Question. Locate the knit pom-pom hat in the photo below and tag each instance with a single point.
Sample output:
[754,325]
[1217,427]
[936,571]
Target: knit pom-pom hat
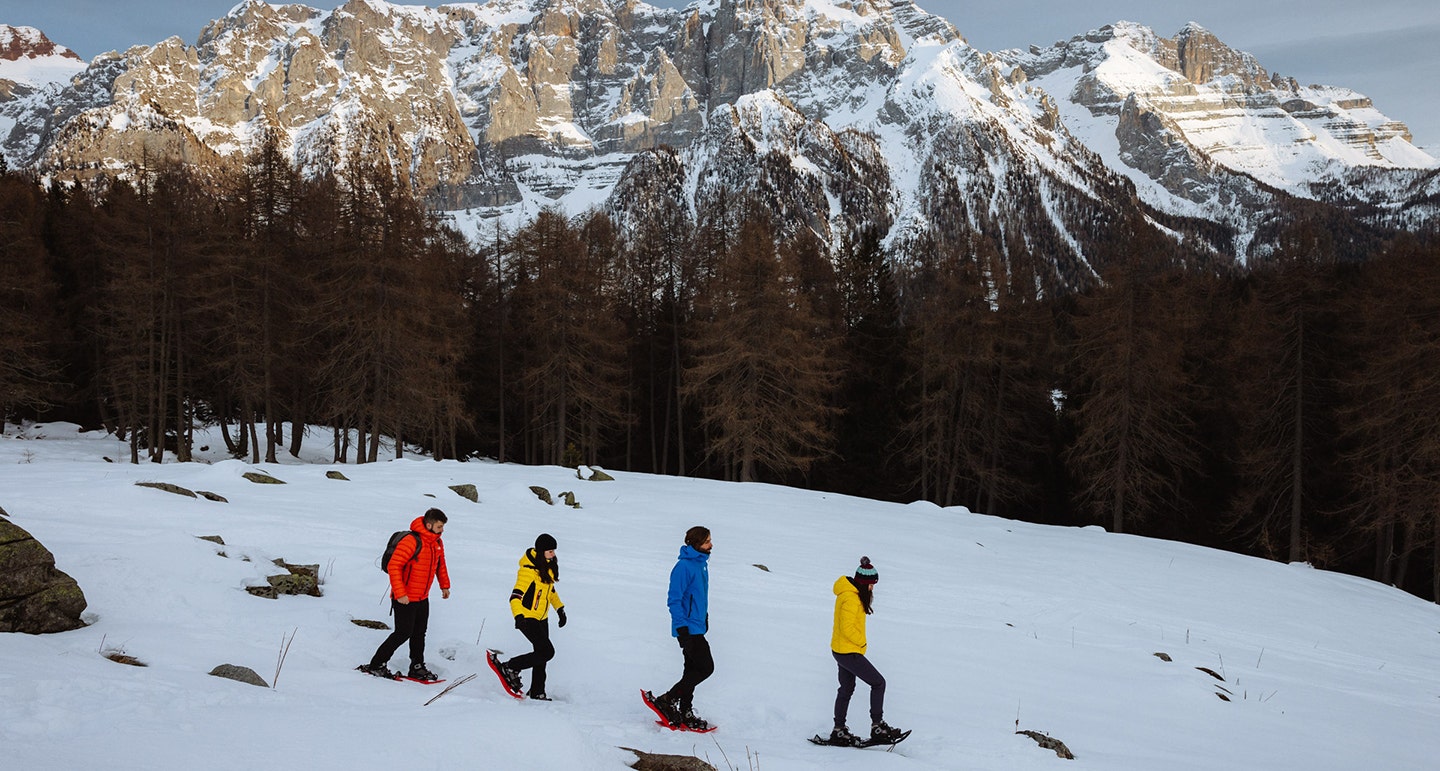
[866,573]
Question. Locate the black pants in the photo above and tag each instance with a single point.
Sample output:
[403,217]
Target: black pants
[411,620]
[699,665]
[537,631]
[853,665]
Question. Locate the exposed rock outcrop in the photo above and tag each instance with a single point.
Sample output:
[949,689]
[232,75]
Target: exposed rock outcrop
[35,597]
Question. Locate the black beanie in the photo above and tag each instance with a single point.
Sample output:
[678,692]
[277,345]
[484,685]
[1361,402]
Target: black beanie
[543,543]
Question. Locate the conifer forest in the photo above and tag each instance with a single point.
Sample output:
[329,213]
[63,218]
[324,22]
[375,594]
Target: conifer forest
[1288,408]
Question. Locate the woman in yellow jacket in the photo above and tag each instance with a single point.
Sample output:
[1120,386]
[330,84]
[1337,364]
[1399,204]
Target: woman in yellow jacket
[531,601]
[853,597]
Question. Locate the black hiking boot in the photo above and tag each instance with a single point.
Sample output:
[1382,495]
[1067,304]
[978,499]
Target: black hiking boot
[693,721]
[420,672]
[378,670]
[841,737]
[668,705]
[540,697]
[884,733]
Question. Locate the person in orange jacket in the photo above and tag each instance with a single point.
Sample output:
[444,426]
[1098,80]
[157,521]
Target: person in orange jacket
[853,598]
[530,602]
[415,564]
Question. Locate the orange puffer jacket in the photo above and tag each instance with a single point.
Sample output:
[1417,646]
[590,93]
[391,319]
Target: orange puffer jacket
[412,578]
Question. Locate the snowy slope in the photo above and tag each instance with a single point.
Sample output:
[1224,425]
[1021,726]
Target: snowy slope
[980,622]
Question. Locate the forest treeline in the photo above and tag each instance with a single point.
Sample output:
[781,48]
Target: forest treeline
[1287,411]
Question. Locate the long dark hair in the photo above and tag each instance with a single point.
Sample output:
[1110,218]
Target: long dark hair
[867,594]
[549,570]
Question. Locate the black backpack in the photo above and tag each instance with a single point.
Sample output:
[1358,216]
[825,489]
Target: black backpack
[395,538]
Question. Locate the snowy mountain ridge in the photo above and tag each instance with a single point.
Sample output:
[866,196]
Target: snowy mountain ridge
[507,107]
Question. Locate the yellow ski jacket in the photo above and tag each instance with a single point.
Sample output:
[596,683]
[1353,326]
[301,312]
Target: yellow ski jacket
[532,598]
[849,633]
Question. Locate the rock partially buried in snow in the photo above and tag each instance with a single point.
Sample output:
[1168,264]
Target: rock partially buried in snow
[646,761]
[468,492]
[261,479]
[239,674]
[1049,743]
[542,494]
[35,597]
[336,475]
[593,474]
[167,487]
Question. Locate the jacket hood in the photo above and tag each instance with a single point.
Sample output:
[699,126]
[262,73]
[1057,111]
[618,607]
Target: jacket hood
[688,552]
[419,526]
[532,560]
[843,585]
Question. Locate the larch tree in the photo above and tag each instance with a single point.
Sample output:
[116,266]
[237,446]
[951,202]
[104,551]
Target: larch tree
[1127,391]
[762,374]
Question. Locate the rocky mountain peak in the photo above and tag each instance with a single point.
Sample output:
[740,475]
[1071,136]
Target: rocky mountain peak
[18,43]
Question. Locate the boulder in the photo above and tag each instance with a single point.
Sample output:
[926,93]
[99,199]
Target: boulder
[209,496]
[542,494]
[467,492]
[336,475]
[35,597]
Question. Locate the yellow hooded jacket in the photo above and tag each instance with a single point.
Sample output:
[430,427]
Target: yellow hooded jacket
[849,633]
[532,598]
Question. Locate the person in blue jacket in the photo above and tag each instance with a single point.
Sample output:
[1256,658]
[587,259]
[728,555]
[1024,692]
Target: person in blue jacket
[689,601]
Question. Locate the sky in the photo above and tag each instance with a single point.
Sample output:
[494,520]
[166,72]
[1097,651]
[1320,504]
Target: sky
[982,627]
[1384,49]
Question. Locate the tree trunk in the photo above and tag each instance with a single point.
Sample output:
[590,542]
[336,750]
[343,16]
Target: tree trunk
[1297,456]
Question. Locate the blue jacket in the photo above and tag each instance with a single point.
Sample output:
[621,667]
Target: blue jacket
[689,597]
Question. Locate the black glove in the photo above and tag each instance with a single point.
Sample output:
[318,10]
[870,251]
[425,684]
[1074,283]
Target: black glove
[683,633]
[518,620]
[561,613]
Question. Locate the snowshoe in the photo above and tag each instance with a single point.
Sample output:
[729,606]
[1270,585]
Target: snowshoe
[670,715]
[509,679]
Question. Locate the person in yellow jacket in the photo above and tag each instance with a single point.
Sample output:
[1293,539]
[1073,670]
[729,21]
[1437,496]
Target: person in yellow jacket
[853,602]
[531,601]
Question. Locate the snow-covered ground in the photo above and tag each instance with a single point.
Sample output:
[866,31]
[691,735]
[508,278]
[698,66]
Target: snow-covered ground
[982,625]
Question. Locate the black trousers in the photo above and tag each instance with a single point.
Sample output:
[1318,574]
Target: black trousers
[699,665]
[411,620]
[853,665]
[537,631]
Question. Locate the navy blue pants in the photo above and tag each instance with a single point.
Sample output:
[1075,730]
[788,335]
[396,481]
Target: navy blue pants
[852,666]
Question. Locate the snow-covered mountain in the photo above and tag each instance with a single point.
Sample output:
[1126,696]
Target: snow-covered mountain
[982,627]
[1180,116]
[841,114]
[29,62]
